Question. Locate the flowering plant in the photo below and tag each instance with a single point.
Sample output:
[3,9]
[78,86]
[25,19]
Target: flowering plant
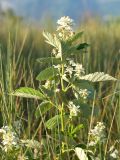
[66,91]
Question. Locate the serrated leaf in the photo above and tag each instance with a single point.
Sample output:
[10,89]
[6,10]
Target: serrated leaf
[48,73]
[82,46]
[43,108]
[52,40]
[28,93]
[97,77]
[81,153]
[51,123]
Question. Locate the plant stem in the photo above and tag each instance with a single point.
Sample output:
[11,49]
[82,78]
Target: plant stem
[62,106]
[62,120]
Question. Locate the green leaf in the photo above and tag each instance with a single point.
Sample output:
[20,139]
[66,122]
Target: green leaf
[28,93]
[84,108]
[73,50]
[70,51]
[76,129]
[82,46]
[75,37]
[48,73]
[48,92]
[52,40]
[97,77]
[43,108]
[81,153]
[53,122]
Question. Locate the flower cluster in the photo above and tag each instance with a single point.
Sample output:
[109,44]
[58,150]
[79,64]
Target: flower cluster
[64,28]
[74,110]
[97,135]
[9,139]
[10,142]
[84,93]
[73,69]
[113,153]
[69,70]
[79,70]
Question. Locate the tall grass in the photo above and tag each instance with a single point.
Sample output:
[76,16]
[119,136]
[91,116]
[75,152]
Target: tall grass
[22,44]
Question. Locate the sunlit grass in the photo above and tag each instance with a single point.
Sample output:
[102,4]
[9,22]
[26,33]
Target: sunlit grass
[21,45]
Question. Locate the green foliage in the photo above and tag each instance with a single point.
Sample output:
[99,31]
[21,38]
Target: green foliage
[65,103]
[47,74]
[52,40]
[43,108]
[76,129]
[97,77]
[28,93]
[83,84]
[53,122]
[75,37]
[82,46]
[85,108]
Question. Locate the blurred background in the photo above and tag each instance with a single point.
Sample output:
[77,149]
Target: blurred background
[22,24]
[22,42]
[39,9]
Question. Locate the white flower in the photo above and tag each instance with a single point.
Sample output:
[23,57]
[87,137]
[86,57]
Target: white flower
[47,84]
[79,70]
[57,90]
[65,21]
[115,154]
[72,63]
[97,134]
[56,53]
[57,67]
[9,139]
[64,76]
[64,28]
[73,109]
[69,70]
[84,93]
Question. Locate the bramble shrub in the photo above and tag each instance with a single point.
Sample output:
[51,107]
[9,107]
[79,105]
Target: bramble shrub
[66,102]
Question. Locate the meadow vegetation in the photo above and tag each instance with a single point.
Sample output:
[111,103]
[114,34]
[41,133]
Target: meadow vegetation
[50,123]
